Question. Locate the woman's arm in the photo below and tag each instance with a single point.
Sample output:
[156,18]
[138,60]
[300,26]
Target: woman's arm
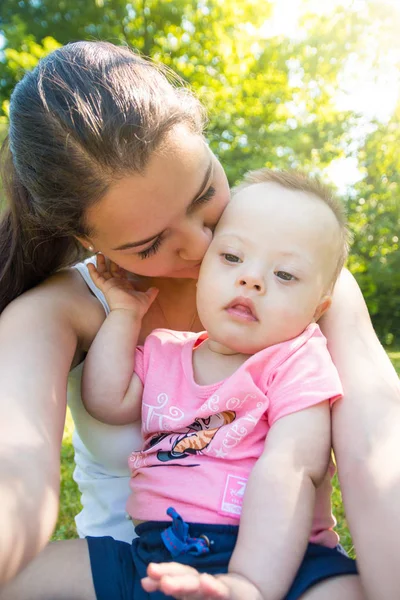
[40,333]
[366,438]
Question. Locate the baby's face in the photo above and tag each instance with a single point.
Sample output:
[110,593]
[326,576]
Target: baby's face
[267,272]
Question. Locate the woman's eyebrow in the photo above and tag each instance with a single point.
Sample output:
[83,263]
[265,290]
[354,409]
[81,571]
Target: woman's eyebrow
[156,235]
[202,187]
[134,244]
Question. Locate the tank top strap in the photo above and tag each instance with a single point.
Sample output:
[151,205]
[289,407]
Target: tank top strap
[83,270]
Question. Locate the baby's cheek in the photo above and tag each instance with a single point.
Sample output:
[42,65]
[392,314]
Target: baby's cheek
[203,300]
[296,318]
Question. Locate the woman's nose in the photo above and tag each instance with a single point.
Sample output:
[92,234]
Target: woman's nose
[252,282]
[195,242]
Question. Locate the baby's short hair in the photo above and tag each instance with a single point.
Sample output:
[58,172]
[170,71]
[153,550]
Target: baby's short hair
[299,181]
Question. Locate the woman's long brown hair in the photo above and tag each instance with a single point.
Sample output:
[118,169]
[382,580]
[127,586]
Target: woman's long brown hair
[88,114]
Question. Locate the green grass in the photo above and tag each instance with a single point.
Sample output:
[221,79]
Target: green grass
[70,505]
[69,495]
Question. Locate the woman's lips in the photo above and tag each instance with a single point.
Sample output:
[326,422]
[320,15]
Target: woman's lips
[243,309]
[190,267]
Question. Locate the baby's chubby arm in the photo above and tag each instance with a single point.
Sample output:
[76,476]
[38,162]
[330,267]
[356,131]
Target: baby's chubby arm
[111,390]
[278,505]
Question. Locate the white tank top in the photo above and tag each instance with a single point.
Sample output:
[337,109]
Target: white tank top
[101,457]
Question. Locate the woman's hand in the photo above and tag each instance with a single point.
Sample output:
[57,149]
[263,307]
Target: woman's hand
[186,583]
[118,290]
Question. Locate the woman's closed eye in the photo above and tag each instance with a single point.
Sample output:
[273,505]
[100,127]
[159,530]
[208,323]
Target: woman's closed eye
[208,195]
[285,276]
[153,249]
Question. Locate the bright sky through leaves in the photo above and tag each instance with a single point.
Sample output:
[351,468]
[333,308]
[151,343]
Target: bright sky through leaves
[370,91]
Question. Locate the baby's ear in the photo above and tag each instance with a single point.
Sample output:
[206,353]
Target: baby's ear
[322,307]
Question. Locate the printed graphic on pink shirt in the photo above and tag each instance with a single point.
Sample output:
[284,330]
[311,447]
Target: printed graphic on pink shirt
[190,440]
[168,439]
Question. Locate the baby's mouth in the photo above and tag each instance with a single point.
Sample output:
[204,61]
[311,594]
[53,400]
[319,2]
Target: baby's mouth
[243,308]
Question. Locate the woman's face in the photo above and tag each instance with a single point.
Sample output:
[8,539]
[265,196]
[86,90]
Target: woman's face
[160,223]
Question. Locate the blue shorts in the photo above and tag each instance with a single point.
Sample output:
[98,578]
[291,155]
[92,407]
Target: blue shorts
[118,567]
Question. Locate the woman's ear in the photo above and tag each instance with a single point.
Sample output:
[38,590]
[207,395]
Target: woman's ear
[85,243]
[322,307]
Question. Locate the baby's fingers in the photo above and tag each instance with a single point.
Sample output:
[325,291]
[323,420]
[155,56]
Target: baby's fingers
[158,570]
[211,587]
[193,587]
[180,587]
[151,293]
[95,276]
[183,582]
[116,270]
[101,263]
[150,585]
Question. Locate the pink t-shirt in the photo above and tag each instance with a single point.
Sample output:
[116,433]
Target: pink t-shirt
[202,441]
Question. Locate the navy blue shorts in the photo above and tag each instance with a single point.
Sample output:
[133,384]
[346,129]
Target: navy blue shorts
[118,567]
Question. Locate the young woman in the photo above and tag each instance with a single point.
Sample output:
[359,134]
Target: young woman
[105,154]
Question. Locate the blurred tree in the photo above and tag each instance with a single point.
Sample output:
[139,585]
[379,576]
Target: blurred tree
[375,222]
[270,99]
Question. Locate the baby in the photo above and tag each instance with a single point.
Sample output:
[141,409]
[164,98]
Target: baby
[235,420]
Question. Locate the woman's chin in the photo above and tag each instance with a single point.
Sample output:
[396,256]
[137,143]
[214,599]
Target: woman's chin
[184,273]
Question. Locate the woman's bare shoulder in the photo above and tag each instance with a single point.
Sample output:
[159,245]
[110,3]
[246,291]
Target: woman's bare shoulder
[64,299]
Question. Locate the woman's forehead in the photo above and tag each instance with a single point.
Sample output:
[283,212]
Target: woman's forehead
[146,203]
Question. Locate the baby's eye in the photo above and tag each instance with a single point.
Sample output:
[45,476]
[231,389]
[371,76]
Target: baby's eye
[285,276]
[231,258]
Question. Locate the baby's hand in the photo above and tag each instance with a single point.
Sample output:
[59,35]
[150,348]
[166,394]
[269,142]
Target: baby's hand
[119,292]
[186,583]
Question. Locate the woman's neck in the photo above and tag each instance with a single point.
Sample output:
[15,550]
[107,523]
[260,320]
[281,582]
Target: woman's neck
[174,307]
[171,285]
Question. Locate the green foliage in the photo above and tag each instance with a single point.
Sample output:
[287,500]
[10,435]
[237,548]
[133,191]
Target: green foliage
[270,99]
[375,222]
[3,133]
[18,62]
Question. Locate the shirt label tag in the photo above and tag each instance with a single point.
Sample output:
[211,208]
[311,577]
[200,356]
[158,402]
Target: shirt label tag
[232,497]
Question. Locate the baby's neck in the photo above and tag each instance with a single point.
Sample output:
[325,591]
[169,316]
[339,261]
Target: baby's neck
[213,362]
[217,348]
